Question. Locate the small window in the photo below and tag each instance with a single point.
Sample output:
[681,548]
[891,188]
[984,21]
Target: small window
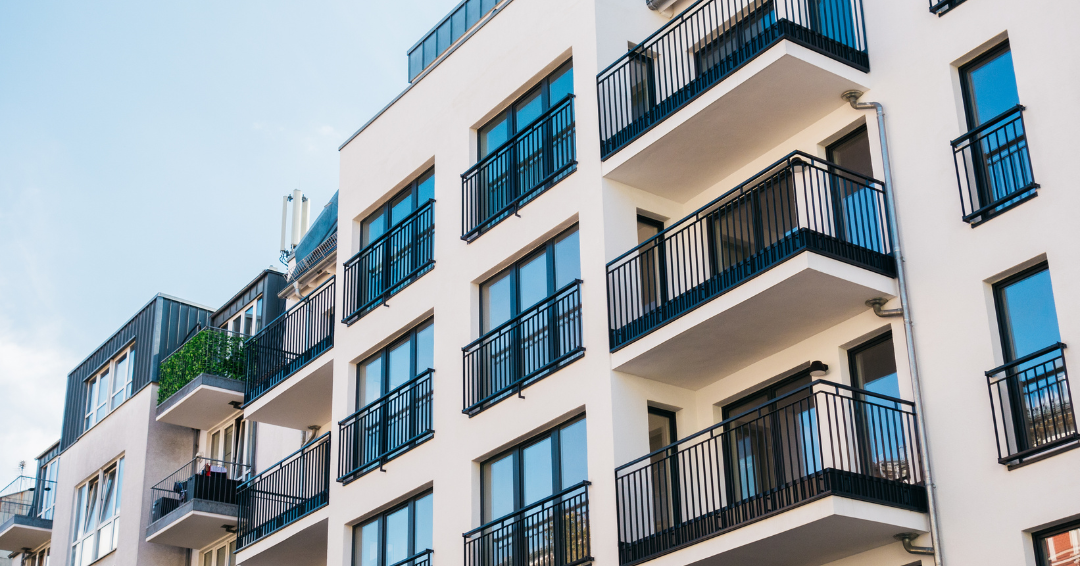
[1059,546]
[513,291]
[397,364]
[989,86]
[394,211]
[97,515]
[395,536]
[548,94]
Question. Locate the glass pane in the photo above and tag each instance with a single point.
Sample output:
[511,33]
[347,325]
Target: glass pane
[258,314]
[992,88]
[374,227]
[208,558]
[499,488]
[423,521]
[400,364]
[215,446]
[646,230]
[875,369]
[573,454]
[425,348]
[366,544]
[1061,549]
[883,446]
[400,208]
[249,320]
[119,481]
[537,482]
[397,536]
[221,556]
[567,260]
[227,445]
[108,496]
[529,109]
[371,375]
[853,153]
[659,432]
[425,189]
[494,134]
[560,84]
[1030,316]
[495,302]
[533,282]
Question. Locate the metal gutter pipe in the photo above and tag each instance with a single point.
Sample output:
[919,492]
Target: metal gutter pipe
[852,96]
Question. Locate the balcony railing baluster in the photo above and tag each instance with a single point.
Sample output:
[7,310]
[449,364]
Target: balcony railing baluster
[520,351]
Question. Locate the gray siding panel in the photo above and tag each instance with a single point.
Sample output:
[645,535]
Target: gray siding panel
[268,284]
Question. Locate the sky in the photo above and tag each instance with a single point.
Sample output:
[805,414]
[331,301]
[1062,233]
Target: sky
[145,148]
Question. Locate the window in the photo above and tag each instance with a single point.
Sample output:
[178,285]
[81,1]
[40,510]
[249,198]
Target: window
[649,263]
[662,432]
[396,365]
[395,536]
[396,209]
[517,288]
[220,556]
[39,558]
[536,470]
[247,320]
[549,93]
[48,496]
[642,83]
[97,511]
[1027,317]
[1059,546]
[107,389]
[883,445]
[989,86]
[856,207]
[225,448]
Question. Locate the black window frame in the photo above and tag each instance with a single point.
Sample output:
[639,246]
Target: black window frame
[517,451]
[509,114]
[998,288]
[381,518]
[1041,559]
[409,335]
[854,351]
[966,91]
[384,209]
[547,248]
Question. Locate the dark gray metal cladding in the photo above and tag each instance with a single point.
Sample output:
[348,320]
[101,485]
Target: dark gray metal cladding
[268,284]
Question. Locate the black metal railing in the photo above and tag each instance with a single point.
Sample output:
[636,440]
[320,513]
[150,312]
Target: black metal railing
[519,170]
[390,263]
[26,496]
[821,439]
[993,167]
[290,342]
[205,479]
[422,558]
[705,44]
[524,349]
[799,203]
[215,351]
[284,493]
[551,532]
[385,428]
[939,7]
[1032,405]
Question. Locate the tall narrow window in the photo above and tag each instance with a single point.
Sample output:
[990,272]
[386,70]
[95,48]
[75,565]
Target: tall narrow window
[401,536]
[882,449]
[97,511]
[665,492]
[1059,546]
[856,207]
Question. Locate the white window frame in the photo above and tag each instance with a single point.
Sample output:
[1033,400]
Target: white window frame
[207,557]
[238,323]
[96,525]
[39,558]
[109,387]
[48,496]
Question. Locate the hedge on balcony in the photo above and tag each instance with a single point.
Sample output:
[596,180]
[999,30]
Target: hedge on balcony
[212,350]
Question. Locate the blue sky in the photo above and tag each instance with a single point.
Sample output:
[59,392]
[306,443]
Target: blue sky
[145,147]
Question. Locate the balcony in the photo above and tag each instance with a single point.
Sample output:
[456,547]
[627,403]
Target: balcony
[26,513]
[553,531]
[806,450]
[202,382]
[293,345]
[390,263]
[519,170]
[1032,405]
[386,428]
[523,350]
[722,83]
[284,494]
[993,167]
[193,505]
[796,249]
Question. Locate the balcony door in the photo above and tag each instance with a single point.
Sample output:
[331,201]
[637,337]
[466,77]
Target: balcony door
[857,212]
[883,442]
[666,509]
[773,445]
[391,259]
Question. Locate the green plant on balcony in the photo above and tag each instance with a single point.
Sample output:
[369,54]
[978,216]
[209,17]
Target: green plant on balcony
[213,350]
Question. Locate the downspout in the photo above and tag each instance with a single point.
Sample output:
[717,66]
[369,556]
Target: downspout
[852,96]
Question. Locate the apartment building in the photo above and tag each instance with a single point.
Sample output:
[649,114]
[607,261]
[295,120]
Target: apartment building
[761,282]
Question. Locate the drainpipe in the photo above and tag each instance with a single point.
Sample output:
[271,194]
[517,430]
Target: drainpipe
[852,96]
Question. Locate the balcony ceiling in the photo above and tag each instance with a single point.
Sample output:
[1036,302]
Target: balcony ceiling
[775,96]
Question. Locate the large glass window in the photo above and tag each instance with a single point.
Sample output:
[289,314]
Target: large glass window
[531,280]
[551,91]
[883,447]
[48,497]
[395,365]
[390,214]
[1059,546]
[1027,316]
[247,320]
[396,536]
[97,515]
[989,86]
[108,388]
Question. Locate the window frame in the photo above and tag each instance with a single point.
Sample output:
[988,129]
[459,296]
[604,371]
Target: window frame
[548,249]
[256,307]
[516,453]
[510,115]
[91,539]
[966,90]
[1041,559]
[383,353]
[412,189]
[381,517]
[230,553]
[101,390]
[998,289]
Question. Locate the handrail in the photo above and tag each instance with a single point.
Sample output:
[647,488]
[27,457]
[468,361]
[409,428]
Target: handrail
[766,404]
[305,448]
[393,391]
[530,507]
[389,232]
[517,137]
[413,558]
[1027,358]
[300,303]
[752,181]
[522,314]
[989,124]
[195,459]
